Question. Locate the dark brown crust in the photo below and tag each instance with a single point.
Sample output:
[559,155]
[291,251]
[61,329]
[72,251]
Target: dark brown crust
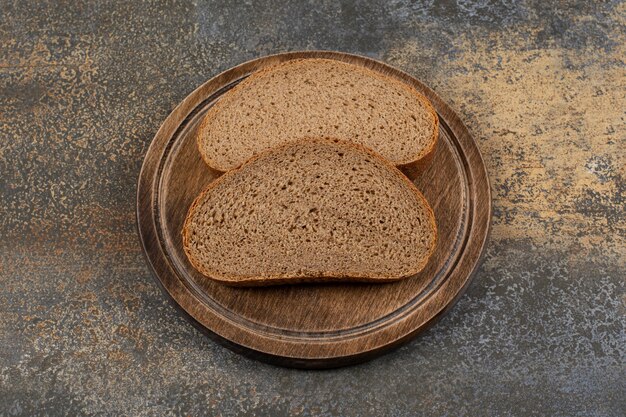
[325,276]
[412,164]
[413,169]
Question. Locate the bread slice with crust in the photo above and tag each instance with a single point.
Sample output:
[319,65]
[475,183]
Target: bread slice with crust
[309,211]
[321,98]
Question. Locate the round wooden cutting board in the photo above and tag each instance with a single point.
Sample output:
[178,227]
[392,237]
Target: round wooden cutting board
[312,326]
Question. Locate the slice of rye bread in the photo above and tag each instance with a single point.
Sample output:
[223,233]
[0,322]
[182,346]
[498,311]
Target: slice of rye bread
[321,98]
[310,211]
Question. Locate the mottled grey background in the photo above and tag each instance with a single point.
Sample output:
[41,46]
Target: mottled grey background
[85,85]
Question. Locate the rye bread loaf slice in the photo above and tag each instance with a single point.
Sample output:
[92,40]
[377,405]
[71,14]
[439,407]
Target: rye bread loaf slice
[320,98]
[308,211]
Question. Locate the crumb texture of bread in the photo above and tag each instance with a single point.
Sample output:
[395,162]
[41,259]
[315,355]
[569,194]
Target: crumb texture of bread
[311,210]
[318,98]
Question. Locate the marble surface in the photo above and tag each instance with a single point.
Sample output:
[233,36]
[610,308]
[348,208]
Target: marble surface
[84,329]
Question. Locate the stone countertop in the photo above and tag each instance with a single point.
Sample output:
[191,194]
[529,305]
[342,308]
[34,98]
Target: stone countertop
[84,329]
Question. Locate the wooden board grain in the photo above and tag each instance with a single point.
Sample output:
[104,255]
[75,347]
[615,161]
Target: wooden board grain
[312,326]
